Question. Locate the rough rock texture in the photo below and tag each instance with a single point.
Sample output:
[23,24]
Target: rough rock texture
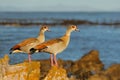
[87,65]
[22,71]
[44,68]
[99,77]
[56,73]
[80,69]
[112,73]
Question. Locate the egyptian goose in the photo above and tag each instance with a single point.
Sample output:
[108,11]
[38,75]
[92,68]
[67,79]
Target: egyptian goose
[55,46]
[25,45]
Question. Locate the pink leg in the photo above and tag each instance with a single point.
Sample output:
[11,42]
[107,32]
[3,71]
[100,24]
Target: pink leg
[55,60]
[29,57]
[51,60]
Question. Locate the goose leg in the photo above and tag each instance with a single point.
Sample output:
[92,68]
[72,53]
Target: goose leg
[51,60]
[29,57]
[55,61]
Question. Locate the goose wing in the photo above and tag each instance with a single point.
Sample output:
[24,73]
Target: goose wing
[24,43]
[47,44]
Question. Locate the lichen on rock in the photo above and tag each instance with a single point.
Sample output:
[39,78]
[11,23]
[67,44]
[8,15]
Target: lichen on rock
[21,71]
[56,73]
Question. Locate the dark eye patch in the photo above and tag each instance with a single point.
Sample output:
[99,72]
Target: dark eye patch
[73,26]
[45,27]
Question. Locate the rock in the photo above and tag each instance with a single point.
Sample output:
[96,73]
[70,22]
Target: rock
[82,68]
[87,65]
[113,72]
[73,78]
[99,77]
[56,73]
[45,66]
[91,61]
[22,71]
[75,70]
[3,66]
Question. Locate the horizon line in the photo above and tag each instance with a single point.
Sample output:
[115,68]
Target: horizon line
[59,11]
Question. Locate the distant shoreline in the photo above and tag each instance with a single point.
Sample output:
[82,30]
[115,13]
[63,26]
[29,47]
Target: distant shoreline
[52,21]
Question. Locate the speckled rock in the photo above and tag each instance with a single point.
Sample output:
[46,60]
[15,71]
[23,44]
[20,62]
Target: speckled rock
[56,73]
[87,65]
[22,71]
[113,72]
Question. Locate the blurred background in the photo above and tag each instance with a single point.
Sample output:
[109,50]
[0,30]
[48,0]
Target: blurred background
[98,21]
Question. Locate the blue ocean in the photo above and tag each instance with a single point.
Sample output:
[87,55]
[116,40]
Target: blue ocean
[104,38]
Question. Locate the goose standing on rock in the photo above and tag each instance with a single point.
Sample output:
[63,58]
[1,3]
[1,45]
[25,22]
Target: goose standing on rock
[25,45]
[55,46]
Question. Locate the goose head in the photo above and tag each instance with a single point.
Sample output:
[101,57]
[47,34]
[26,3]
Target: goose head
[73,28]
[44,28]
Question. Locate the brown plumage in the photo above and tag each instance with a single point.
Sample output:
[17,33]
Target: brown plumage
[25,45]
[55,46]
[50,42]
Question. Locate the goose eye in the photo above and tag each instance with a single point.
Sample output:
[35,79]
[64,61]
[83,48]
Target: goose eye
[73,26]
[45,27]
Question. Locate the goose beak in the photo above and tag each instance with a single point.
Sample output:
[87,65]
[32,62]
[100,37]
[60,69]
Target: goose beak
[49,30]
[77,30]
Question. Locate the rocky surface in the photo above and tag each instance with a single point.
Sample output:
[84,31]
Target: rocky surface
[89,67]
[83,68]
[22,71]
[56,73]
[86,66]
[112,73]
